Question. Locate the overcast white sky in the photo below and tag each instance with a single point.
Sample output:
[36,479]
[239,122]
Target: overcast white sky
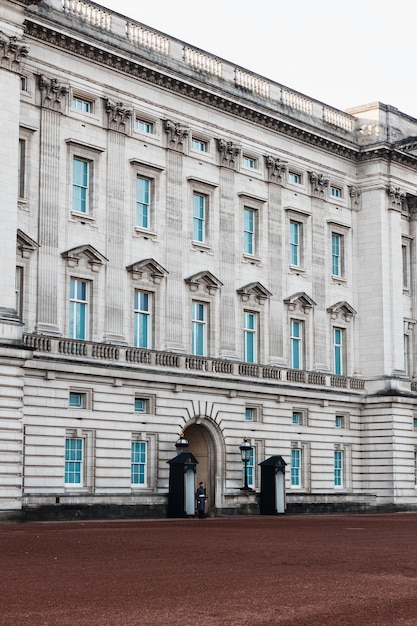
[342,53]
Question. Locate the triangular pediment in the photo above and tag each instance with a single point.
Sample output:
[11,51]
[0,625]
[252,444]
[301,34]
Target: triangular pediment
[149,267]
[342,308]
[301,299]
[203,280]
[255,291]
[86,252]
[25,244]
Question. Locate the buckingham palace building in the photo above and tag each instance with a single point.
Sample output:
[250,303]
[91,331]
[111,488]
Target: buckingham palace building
[195,259]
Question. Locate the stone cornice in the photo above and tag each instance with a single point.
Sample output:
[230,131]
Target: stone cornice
[220,101]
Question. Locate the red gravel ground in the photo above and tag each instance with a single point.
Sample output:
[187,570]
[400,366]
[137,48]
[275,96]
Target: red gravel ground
[296,571]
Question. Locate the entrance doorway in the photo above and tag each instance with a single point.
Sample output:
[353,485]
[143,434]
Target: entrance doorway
[200,445]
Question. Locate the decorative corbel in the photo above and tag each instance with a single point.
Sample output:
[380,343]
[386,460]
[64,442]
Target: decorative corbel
[52,93]
[118,116]
[177,135]
[229,153]
[276,169]
[318,183]
[12,52]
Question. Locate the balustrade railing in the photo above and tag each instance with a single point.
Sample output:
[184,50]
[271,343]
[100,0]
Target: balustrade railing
[90,13]
[142,36]
[202,61]
[252,83]
[91,351]
[297,101]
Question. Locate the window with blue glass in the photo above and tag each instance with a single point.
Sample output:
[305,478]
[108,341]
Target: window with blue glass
[250,468]
[338,468]
[338,351]
[296,345]
[143,126]
[143,199]
[142,405]
[138,462]
[199,329]
[249,337]
[77,400]
[74,461]
[199,145]
[249,231]
[81,104]
[295,241]
[199,217]
[142,319]
[295,467]
[78,314]
[80,185]
[337,243]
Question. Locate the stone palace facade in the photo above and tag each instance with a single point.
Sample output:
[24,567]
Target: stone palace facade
[188,247]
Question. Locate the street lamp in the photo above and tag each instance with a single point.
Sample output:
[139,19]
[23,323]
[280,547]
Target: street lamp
[181,443]
[245,451]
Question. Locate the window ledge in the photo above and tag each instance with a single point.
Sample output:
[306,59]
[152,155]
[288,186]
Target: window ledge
[146,234]
[82,217]
[295,269]
[253,260]
[202,247]
[339,280]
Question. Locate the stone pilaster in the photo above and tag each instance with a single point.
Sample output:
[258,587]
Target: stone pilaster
[52,98]
[275,247]
[228,263]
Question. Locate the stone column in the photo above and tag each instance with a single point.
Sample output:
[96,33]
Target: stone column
[50,199]
[119,119]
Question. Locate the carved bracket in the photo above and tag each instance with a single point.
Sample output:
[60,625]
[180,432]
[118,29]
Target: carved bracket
[118,116]
[177,134]
[355,195]
[396,198]
[12,52]
[318,184]
[276,168]
[52,93]
[229,153]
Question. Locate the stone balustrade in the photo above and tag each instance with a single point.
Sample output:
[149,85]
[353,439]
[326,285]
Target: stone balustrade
[149,39]
[88,351]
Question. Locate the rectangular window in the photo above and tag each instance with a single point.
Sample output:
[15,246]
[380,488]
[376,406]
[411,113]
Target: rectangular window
[80,185]
[414,422]
[142,319]
[250,468]
[296,467]
[143,200]
[406,265]
[407,354]
[19,291]
[338,468]
[24,83]
[249,337]
[249,231]
[295,243]
[22,169]
[335,192]
[80,104]
[138,462]
[296,345]
[339,421]
[143,126]
[249,162]
[79,314]
[199,145]
[338,351]
[250,414]
[141,405]
[297,418]
[77,400]
[199,217]
[294,178]
[337,251]
[199,329]
[74,461]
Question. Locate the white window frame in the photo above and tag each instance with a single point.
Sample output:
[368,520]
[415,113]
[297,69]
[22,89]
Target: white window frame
[296,471]
[335,192]
[294,177]
[200,220]
[199,145]
[140,314]
[250,332]
[81,104]
[139,464]
[339,351]
[250,231]
[296,260]
[22,166]
[406,248]
[87,461]
[339,468]
[84,187]
[249,162]
[198,326]
[142,125]
[297,340]
[76,303]
[19,285]
[82,399]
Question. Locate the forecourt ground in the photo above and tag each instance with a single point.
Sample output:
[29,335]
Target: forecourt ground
[292,570]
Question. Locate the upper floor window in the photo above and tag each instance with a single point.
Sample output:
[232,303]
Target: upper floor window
[142,319]
[297,418]
[335,192]
[80,185]
[143,126]
[250,469]
[296,344]
[143,202]
[296,467]
[24,83]
[199,145]
[249,337]
[406,263]
[338,352]
[199,217]
[19,291]
[337,254]
[340,421]
[79,314]
[249,162]
[77,400]
[81,104]
[249,232]
[295,243]
[294,177]
[22,169]
[142,405]
[199,329]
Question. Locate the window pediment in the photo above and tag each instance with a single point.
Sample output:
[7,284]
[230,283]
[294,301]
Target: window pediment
[148,267]
[203,280]
[25,244]
[343,309]
[300,299]
[88,253]
[255,291]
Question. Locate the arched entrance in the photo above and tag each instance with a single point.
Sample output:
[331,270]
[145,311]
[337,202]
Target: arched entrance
[201,445]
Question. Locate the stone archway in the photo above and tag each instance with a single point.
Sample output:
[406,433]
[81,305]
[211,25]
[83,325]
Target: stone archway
[203,445]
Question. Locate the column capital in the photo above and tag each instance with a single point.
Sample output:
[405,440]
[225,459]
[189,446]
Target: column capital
[12,52]
[52,93]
